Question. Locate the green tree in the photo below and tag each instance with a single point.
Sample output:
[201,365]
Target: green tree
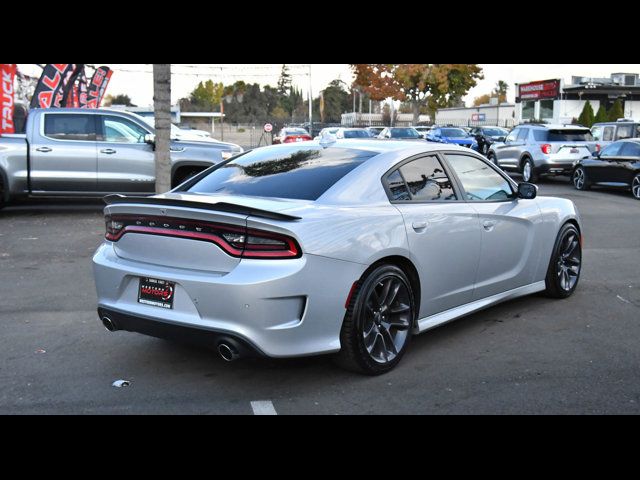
[602,115]
[587,116]
[336,101]
[616,111]
[501,89]
[432,85]
[120,99]
[206,96]
[284,82]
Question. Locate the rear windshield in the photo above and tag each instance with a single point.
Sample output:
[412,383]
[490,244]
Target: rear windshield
[284,172]
[563,135]
[454,133]
[356,134]
[404,133]
[296,131]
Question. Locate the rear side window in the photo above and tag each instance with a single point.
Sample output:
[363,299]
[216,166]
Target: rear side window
[624,131]
[70,126]
[422,180]
[630,149]
[540,135]
[283,172]
[570,136]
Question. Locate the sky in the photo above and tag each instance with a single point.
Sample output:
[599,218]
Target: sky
[135,80]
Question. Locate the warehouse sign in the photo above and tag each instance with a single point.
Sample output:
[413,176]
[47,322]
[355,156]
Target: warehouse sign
[541,90]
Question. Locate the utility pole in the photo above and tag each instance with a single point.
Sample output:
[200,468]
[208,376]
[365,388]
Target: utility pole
[162,114]
[310,105]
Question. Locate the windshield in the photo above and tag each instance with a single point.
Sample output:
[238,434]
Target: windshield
[295,131]
[404,133]
[290,172]
[356,134]
[454,133]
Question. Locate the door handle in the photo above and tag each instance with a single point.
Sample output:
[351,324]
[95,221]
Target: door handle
[43,149]
[488,225]
[108,151]
[419,226]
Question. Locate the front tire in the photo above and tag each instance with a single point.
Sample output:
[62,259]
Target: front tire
[565,266]
[529,173]
[580,180]
[635,187]
[492,158]
[377,327]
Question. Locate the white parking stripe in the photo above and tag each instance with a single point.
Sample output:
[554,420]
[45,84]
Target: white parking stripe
[263,408]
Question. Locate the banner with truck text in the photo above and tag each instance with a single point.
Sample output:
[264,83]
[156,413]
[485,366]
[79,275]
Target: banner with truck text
[7,76]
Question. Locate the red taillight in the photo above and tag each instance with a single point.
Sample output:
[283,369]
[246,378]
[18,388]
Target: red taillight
[289,139]
[598,147]
[546,148]
[236,241]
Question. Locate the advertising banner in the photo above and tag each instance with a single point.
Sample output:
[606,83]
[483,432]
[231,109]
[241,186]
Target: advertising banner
[541,90]
[97,86]
[66,96]
[7,76]
[50,88]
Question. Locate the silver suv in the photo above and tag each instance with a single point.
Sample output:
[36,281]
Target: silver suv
[537,149]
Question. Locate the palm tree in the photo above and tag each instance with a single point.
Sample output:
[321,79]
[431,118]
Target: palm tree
[162,114]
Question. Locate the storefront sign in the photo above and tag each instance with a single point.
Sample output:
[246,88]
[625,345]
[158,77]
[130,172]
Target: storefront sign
[542,90]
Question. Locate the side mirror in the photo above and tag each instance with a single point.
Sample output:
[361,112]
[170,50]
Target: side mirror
[527,191]
[597,153]
[501,139]
[150,139]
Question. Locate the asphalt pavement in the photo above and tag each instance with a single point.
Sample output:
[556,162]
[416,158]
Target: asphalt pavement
[532,355]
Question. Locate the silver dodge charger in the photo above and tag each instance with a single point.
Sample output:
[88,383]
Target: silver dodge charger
[346,247]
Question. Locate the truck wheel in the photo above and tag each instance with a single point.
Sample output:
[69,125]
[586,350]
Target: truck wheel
[529,173]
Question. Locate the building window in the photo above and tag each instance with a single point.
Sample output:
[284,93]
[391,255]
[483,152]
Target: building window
[528,110]
[546,109]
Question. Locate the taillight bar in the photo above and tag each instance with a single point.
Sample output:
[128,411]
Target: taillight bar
[234,240]
[546,148]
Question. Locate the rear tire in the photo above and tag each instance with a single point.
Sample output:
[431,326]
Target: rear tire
[492,158]
[565,266]
[378,324]
[580,180]
[528,171]
[635,187]
[3,202]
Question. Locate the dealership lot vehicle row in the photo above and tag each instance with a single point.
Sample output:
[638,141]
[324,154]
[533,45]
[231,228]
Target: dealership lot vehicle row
[530,355]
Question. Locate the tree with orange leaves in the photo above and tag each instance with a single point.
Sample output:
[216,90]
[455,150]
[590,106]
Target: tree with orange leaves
[436,85]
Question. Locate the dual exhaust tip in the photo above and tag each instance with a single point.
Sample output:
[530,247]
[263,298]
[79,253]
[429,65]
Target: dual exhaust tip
[226,349]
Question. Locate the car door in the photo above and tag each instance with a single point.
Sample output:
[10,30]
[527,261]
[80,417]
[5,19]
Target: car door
[126,164]
[505,152]
[63,155]
[625,168]
[443,232]
[509,253]
[604,170]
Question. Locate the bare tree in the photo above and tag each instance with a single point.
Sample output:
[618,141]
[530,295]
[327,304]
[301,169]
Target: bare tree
[162,113]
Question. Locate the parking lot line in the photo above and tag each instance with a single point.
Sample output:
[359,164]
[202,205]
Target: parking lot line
[263,408]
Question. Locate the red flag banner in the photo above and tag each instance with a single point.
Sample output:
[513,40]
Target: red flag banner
[97,86]
[66,95]
[7,75]
[51,87]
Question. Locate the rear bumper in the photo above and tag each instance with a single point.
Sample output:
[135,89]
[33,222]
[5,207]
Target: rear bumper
[177,332]
[556,168]
[281,308]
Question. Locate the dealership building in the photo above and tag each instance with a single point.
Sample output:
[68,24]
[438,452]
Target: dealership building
[554,101]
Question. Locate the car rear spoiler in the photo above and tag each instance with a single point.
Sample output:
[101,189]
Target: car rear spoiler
[220,206]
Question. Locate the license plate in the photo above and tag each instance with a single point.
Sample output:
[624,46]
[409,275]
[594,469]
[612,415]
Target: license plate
[155,292]
[575,150]
[298,139]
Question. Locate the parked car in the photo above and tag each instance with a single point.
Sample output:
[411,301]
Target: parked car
[352,133]
[452,135]
[348,248]
[329,130]
[92,152]
[486,136]
[292,135]
[542,149]
[606,132]
[374,131]
[400,133]
[423,130]
[617,165]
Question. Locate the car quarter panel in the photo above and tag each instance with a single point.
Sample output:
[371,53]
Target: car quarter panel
[555,212]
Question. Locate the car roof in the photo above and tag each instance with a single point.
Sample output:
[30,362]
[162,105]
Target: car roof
[552,126]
